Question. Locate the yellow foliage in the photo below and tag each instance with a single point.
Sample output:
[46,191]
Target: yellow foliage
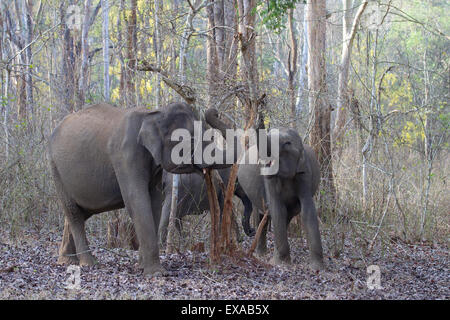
[411,133]
[115,95]
[145,87]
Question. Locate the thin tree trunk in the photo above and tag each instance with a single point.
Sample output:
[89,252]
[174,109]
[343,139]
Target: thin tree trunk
[68,65]
[27,8]
[318,101]
[302,85]
[158,50]
[173,214]
[211,57]
[249,69]
[292,64]
[373,126]
[105,35]
[131,57]
[123,71]
[348,34]
[219,33]
[5,83]
[83,80]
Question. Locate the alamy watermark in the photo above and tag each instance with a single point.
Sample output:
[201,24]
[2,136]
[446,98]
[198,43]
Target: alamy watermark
[374,277]
[74,17]
[213,154]
[74,280]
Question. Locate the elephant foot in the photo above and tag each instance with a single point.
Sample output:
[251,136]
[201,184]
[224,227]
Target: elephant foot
[69,260]
[87,259]
[155,270]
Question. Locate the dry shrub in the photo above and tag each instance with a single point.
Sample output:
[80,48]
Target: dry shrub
[27,194]
[396,180]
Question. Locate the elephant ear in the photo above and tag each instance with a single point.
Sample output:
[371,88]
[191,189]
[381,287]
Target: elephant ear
[150,135]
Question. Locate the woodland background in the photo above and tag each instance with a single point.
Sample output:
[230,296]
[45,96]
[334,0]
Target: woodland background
[366,83]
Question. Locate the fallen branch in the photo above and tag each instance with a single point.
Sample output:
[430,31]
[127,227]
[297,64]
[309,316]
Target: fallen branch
[259,230]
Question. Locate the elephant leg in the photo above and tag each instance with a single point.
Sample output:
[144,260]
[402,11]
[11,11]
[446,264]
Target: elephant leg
[249,231]
[76,220]
[164,222]
[67,250]
[248,208]
[311,225]
[281,253]
[137,199]
[157,203]
[74,232]
[74,235]
[279,215]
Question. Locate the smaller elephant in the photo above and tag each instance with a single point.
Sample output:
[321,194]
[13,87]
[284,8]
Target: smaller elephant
[286,193]
[193,200]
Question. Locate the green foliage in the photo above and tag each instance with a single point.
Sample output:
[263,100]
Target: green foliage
[274,11]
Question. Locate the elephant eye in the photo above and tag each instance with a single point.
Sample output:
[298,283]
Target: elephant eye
[287,143]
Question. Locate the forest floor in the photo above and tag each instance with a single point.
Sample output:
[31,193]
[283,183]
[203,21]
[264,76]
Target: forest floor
[28,270]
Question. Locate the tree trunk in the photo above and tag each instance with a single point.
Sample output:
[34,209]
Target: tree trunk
[5,79]
[131,57]
[105,35]
[303,64]
[348,34]
[247,37]
[158,51]
[318,102]
[211,57]
[173,214]
[68,65]
[83,80]
[27,9]
[292,65]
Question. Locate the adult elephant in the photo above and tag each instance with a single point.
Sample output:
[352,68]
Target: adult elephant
[192,200]
[105,158]
[286,193]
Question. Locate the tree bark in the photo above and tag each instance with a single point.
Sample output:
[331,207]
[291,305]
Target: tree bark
[348,34]
[318,101]
[105,35]
[68,65]
[304,61]
[292,65]
[173,214]
[83,80]
[247,39]
[211,57]
[158,51]
[131,57]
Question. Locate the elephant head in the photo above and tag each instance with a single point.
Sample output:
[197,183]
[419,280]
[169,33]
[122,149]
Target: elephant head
[291,153]
[162,133]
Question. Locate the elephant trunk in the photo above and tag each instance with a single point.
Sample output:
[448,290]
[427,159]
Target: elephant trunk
[212,118]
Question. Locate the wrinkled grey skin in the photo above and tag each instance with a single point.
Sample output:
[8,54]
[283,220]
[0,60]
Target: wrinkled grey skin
[105,158]
[193,200]
[286,194]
